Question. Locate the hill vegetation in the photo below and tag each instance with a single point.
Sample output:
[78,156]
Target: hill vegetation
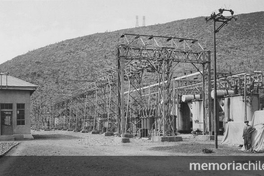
[62,68]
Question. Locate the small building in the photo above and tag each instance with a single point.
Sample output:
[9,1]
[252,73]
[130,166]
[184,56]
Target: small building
[15,108]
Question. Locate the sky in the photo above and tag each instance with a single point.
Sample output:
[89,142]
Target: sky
[26,25]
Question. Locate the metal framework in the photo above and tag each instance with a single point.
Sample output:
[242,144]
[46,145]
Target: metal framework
[156,57]
[94,109]
[98,107]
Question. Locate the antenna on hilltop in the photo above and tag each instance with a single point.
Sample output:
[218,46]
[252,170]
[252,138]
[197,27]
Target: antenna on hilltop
[136,21]
[143,23]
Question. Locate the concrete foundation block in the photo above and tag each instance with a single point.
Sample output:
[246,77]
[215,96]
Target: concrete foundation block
[109,133]
[122,139]
[166,138]
[125,140]
[95,132]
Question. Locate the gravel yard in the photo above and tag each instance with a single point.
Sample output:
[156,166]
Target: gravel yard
[68,143]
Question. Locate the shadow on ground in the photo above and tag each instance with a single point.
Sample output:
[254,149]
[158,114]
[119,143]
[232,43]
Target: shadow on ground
[196,148]
[53,137]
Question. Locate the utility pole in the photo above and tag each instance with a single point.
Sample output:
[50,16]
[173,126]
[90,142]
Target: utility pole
[217,18]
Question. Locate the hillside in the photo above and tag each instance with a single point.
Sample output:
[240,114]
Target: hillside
[65,67]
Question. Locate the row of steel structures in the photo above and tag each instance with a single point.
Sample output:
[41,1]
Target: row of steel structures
[143,95]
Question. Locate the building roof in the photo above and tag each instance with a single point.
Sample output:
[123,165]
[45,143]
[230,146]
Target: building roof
[8,82]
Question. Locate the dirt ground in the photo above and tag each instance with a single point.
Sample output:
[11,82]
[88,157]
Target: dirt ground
[68,143]
[71,153]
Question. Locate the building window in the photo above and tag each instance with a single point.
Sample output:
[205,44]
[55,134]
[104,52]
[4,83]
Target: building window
[6,106]
[20,114]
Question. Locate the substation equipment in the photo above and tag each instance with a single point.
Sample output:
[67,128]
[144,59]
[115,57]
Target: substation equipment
[155,107]
[144,96]
[94,109]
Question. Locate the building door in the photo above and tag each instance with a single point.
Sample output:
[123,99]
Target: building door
[6,123]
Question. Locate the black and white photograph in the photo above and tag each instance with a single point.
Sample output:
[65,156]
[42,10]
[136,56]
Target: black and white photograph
[131,87]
